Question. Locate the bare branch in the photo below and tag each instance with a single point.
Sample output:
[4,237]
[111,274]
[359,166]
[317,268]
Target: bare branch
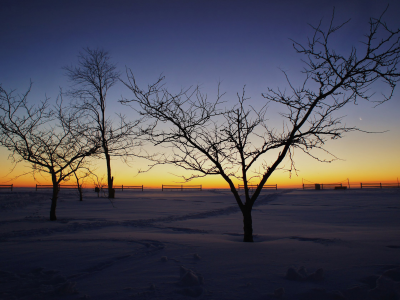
[91,80]
[50,139]
[209,140]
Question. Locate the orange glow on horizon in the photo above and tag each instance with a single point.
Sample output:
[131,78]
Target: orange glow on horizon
[370,160]
[210,182]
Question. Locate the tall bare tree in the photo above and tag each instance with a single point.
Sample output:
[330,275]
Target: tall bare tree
[91,81]
[210,140]
[52,140]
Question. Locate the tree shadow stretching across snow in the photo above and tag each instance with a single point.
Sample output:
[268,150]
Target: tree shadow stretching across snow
[72,225]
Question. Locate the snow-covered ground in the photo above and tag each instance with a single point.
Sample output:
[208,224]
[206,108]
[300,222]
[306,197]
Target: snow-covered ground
[330,244]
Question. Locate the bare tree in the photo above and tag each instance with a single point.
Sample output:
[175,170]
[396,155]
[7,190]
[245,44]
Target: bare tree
[210,140]
[80,175]
[92,79]
[53,140]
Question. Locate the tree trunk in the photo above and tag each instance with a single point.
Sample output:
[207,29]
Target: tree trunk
[79,187]
[247,225]
[53,216]
[80,193]
[110,179]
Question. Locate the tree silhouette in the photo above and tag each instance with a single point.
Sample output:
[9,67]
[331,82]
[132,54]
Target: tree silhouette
[53,140]
[91,81]
[210,140]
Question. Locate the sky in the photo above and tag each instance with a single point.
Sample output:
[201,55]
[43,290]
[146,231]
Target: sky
[201,43]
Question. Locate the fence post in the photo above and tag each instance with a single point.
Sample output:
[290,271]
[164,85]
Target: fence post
[276,186]
[380,184]
[162,188]
[181,187]
[201,187]
[36,187]
[142,187]
[11,187]
[303,186]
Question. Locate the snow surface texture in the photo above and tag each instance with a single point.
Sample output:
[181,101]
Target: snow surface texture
[188,245]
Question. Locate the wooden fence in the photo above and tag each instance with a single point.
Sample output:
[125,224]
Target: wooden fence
[60,186]
[320,186]
[124,187]
[254,186]
[6,186]
[379,185]
[68,186]
[181,187]
[45,186]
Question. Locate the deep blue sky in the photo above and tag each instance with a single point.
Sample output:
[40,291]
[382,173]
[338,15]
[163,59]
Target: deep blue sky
[191,42]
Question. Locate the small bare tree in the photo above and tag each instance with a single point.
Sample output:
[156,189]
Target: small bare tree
[91,81]
[54,141]
[210,140]
[80,175]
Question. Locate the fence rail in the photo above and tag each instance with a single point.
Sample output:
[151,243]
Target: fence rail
[45,186]
[68,186]
[254,186]
[132,187]
[50,186]
[317,186]
[320,186]
[379,185]
[6,186]
[124,187]
[180,187]
[308,186]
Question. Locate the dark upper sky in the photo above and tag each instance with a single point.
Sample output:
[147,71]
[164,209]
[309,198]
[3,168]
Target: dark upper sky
[190,41]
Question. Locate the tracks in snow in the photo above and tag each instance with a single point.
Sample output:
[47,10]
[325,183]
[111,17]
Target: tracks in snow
[73,225]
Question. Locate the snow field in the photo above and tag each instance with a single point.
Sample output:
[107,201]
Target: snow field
[187,245]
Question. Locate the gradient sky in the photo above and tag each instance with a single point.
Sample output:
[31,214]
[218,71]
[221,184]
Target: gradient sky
[196,42]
